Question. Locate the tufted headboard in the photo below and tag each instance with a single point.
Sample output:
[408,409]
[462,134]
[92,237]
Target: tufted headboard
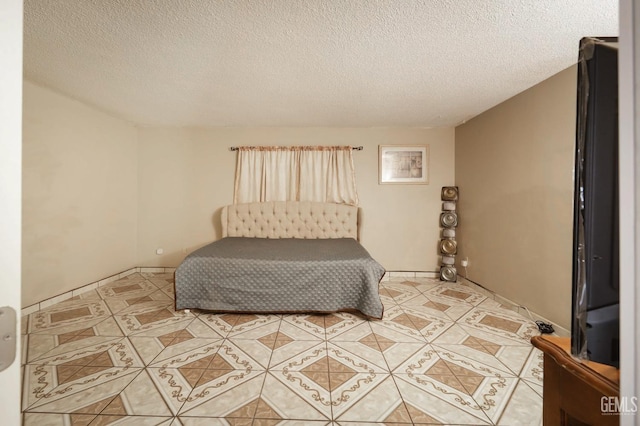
[290,219]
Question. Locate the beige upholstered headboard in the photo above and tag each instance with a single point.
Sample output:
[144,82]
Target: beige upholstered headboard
[290,219]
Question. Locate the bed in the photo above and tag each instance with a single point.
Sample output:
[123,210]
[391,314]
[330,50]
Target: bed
[283,257]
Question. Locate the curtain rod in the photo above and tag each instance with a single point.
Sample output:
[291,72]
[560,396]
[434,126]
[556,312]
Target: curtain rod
[357,148]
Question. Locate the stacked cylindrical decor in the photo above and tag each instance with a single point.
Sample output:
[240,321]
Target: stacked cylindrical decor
[448,246]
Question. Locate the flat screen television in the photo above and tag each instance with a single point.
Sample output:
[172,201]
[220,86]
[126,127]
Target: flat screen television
[596,296]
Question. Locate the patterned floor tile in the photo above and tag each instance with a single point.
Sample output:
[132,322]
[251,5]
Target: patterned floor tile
[508,351]
[203,353]
[311,324]
[386,298]
[428,325]
[53,343]
[307,374]
[220,323]
[131,420]
[352,333]
[439,307]
[340,323]
[533,367]
[125,305]
[298,359]
[130,286]
[145,320]
[397,353]
[332,379]
[254,326]
[295,330]
[397,322]
[157,354]
[237,404]
[491,388]
[286,350]
[509,359]
[456,293]
[86,295]
[444,353]
[401,291]
[160,279]
[169,290]
[506,324]
[173,339]
[258,350]
[207,421]
[497,306]
[291,397]
[430,402]
[360,340]
[228,370]
[47,345]
[341,360]
[459,381]
[346,423]
[425,284]
[534,385]
[324,326]
[234,324]
[359,356]
[139,398]
[78,371]
[48,419]
[525,408]
[367,398]
[275,422]
[88,394]
[366,349]
[194,377]
[68,316]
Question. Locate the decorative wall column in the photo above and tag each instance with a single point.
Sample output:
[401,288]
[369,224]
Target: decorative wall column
[448,246]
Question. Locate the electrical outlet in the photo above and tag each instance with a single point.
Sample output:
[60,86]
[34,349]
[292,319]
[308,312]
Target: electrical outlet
[464,262]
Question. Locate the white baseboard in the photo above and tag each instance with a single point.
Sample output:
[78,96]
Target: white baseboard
[389,275]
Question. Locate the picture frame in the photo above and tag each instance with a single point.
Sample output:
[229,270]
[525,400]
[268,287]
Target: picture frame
[403,164]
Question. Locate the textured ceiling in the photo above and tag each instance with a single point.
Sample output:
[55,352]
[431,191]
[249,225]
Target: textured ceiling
[303,62]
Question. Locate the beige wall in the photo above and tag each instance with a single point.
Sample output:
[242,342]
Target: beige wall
[186,176]
[514,167]
[79,194]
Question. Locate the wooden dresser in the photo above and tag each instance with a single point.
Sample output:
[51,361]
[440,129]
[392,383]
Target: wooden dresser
[573,390]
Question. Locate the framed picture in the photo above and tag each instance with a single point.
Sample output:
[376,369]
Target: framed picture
[403,164]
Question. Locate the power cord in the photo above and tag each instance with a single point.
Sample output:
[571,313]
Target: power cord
[543,327]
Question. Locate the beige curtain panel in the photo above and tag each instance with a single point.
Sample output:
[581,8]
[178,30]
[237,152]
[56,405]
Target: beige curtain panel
[295,173]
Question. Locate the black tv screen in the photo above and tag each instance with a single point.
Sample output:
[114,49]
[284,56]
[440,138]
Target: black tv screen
[595,308]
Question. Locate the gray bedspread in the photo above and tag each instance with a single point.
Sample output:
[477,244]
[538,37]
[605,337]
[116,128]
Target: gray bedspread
[263,275]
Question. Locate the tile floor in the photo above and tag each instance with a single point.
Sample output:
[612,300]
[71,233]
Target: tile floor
[444,353]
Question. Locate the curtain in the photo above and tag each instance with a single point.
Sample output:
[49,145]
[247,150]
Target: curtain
[295,173]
